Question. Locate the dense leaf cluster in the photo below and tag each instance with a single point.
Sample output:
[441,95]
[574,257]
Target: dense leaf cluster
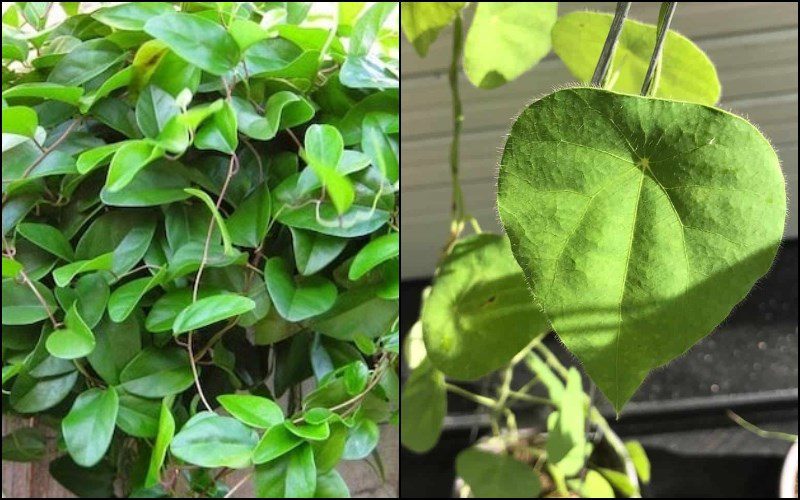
[200,241]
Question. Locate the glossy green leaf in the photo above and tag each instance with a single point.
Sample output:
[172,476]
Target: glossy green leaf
[11,268]
[65,274]
[357,312]
[362,440]
[21,306]
[154,109]
[85,62]
[166,431]
[422,21]
[489,299]
[223,228]
[47,237]
[20,120]
[290,476]
[162,182]
[44,90]
[657,234]
[31,395]
[209,440]
[155,373]
[297,299]
[494,475]
[138,416]
[686,72]
[198,40]
[210,310]
[423,408]
[24,445]
[131,16]
[373,253]
[254,411]
[219,133]
[276,441]
[123,300]
[506,39]
[594,485]
[331,485]
[361,68]
[75,340]
[323,149]
[619,481]
[248,224]
[98,156]
[89,425]
[128,161]
[380,149]
[313,251]
[116,345]
[284,109]
[356,375]
[311,432]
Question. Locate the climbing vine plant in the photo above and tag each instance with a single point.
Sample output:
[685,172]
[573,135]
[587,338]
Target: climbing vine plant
[200,243]
[636,216]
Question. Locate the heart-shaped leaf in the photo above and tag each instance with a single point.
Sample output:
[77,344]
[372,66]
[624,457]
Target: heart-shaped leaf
[313,251]
[75,340]
[128,160]
[249,222]
[637,237]
[299,299]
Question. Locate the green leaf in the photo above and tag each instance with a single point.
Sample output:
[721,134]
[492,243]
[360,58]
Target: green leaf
[357,312]
[65,274]
[164,311]
[507,39]
[209,440]
[311,432]
[356,375]
[128,161]
[619,481]
[24,445]
[85,62]
[44,90]
[284,109]
[196,39]
[137,416]
[379,148]
[94,482]
[639,459]
[249,222]
[48,238]
[75,340]
[154,109]
[331,484]
[422,21]
[301,473]
[594,485]
[362,69]
[566,440]
[276,442]
[299,299]
[96,157]
[323,149]
[33,395]
[373,253]
[89,425]
[247,32]
[155,373]
[166,431]
[219,133]
[117,345]
[20,120]
[640,251]
[223,228]
[254,411]
[423,408]
[313,251]
[11,268]
[160,183]
[21,306]
[489,299]
[210,310]
[686,74]
[131,16]
[123,300]
[498,476]
[362,440]
[316,416]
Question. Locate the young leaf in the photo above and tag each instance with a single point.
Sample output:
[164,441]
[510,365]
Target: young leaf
[75,340]
[488,298]
[506,39]
[85,62]
[311,432]
[11,268]
[154,109]
[639,459]
[210,310]
[20,120]
[277,441]
[219,133]
[422,21]
[123,300]
[379,148]
[494,475]
[89,425]
[254,411]
[128,161]
[686,74]
[297,300]
[166,431]
[209,440]
[65,274]
[196,39]
[566,440]
[657,233]
[323,148]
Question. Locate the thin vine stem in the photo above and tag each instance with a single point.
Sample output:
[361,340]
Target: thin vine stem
[610,46]
[651,78]
[476,398]
[458,119]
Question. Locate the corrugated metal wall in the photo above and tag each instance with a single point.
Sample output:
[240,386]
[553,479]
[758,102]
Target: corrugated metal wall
[753,45]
